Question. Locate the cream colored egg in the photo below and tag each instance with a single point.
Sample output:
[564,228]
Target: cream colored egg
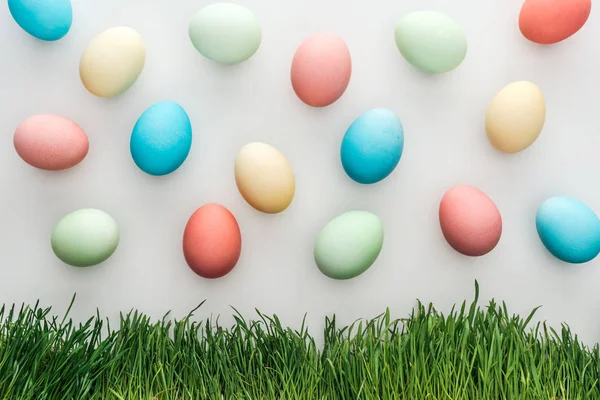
[112,61]
[516,117]
[264,178]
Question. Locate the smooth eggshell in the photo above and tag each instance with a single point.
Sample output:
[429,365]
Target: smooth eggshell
[85,237]
[264,178]
[569,229]
[372,146]
[470,221]
[431,41]
[552,21]
[515,117]
[212,242]
[50,142]
[112,61]
[161,139]
[321,69]
[225,32]
[43,19]
[349,244]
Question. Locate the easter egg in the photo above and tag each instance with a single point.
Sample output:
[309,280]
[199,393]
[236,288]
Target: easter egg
[212,242]
[112,61]
[161,139]
[431,41]
[51,142]
[470,221]
[225,32]
[372,146]
[552,21]
[321,69]
[349,244]
[85,237]
[264,178]
[43,19]
[569,229]
[515,117]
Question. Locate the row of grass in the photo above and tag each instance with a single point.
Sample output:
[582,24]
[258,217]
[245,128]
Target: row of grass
[472,353]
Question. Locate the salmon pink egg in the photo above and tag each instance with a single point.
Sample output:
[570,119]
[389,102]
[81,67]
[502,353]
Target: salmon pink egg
[470,221]
[552,21]
[212,242]
[321,70]
[50,142]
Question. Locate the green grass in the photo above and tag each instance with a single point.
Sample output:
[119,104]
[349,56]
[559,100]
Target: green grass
[469,354]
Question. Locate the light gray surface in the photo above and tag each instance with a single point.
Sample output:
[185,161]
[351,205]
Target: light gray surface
[445,144]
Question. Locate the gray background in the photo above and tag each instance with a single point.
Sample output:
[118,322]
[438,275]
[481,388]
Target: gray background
[445,144]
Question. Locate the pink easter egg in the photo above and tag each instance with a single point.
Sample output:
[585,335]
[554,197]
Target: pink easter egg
[551,21]
[321,69]
[50,142]
[470,221]
[212,242]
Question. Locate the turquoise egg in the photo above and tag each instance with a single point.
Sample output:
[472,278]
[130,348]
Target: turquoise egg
[161,139]
[569,229]
[372,146]
[44,19]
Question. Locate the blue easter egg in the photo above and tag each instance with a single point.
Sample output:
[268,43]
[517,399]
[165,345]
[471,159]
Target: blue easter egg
[569,229]
[44,19]
[372,146]
[161,139]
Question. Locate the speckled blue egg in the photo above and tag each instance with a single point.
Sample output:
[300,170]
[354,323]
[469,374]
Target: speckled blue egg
[44,19]
[161,139]
[569,229]
[372,146]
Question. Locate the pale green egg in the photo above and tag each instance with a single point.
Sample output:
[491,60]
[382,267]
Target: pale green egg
[431,41]
[349,244]
[85,237]
[225,32]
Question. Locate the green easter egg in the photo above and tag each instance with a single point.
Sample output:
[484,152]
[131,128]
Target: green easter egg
[349,244]
[431,41]
[225,32]
[85,237]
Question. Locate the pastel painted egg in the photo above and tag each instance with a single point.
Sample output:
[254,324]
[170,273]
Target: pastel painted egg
[321,70]
[43,19]
[264,178]
[515,117]
[161,139]
[372,146]
[470,221]
[569,229]
[225,32]
[85,237]
[112,61]
[349,244]
[431,41]
[50,142]
[552,21]
[212,242]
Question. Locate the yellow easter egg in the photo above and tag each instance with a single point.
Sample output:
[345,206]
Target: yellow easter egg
[264,178]
[112,61]
[515,117]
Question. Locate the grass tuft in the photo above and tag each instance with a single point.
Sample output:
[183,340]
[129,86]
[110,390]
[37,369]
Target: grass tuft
[472,353]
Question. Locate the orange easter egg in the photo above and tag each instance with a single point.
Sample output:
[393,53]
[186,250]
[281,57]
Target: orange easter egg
[470,221]
[212,242]
[321,70]
[551,21]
